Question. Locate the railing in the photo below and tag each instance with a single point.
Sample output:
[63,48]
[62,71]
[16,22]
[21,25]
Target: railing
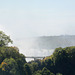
[35,57]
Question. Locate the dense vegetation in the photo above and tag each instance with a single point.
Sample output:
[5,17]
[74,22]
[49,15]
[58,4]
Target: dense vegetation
[11,61]
[61,62]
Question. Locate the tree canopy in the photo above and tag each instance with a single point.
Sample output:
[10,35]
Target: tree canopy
[61,62]
[4,39]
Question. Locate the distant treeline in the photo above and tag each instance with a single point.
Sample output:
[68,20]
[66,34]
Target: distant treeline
[52,42]
[61,62]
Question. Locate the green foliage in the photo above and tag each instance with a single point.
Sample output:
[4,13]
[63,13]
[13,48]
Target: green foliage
[10,66]
[34,66]
[7,52]
[48,62]
[27,69]
[62,62]
[4,39]
[11,61]
[39,72]
[45,71]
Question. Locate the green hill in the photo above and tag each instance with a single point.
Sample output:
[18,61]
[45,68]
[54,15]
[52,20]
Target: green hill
[52,42]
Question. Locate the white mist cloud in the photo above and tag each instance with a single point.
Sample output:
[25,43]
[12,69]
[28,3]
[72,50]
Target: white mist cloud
[26,47]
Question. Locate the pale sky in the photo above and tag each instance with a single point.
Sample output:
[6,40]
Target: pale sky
[31,18]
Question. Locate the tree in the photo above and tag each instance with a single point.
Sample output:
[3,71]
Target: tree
[4,39]
[27,69]
[10,66]
[11,61]
[45,71]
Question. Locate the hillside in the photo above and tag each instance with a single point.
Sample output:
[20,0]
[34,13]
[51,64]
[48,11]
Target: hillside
[52,42]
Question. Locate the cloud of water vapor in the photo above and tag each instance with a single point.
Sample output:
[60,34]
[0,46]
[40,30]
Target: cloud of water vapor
[27,46]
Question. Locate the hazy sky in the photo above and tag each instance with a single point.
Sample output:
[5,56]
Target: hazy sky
[30,18]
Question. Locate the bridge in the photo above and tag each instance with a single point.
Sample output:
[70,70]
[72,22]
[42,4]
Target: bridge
[38,57]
